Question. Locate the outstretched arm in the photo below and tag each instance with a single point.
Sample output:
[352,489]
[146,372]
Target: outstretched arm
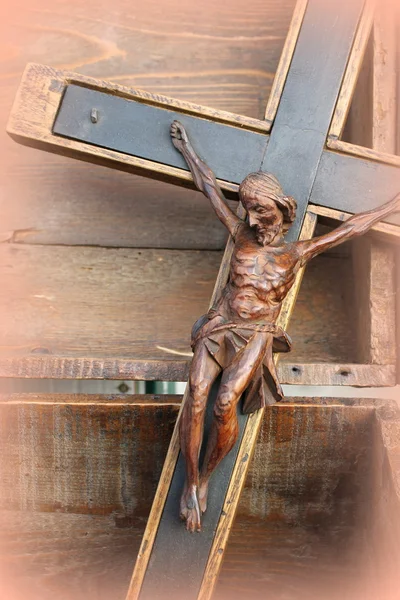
[204,178]
[353,227]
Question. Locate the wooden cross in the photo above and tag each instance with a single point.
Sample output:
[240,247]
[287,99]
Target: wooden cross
[299,142]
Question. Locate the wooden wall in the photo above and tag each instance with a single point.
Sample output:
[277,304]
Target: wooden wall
[103,273]
[224,56]
[103,455]
[319,513]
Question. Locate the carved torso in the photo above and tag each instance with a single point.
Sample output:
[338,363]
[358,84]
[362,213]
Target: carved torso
[260,278]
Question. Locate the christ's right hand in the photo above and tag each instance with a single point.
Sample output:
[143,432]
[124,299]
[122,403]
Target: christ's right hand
[178,135]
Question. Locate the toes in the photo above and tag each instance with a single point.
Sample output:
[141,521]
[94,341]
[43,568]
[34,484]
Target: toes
[203,503]
[203,494]
[183,513]
[193,521]
[190,511]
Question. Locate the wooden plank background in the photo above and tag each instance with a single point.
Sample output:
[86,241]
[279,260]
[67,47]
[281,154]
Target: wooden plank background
[306,508]
[103,455]
[98,265]
[83,301]
[224,56]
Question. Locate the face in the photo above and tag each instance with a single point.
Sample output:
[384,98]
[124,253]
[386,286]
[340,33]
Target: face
[265,218]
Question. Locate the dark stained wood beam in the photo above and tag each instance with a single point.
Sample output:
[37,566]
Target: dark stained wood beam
[346,178]
[143,130]
[349,183]
[52,112]
[309,99]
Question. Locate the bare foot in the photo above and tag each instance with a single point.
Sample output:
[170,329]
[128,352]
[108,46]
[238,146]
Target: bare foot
[178,135]
[203,494]
[190,511]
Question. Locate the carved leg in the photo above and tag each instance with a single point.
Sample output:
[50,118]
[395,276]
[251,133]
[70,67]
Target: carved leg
[224,429]
[203,372]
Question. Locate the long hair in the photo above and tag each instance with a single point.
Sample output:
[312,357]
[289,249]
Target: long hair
[260,185]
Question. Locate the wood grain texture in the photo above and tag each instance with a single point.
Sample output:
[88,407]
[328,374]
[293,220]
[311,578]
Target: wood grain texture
[358,125]
[375,311]
[294,476]
[98,206]
[44,556]
[223,57]
[86,557]
[384,83]
[285,60]
[306,512]
[373,119]
[360,375]
[73,453]
[51,342]
[59,291]
[83,457]
[111,400]
[66,293]
[360,151]
[385,88]
[352,72]
[303,118]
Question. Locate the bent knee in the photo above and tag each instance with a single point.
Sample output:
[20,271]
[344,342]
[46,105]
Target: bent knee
[199,390]
[225,404]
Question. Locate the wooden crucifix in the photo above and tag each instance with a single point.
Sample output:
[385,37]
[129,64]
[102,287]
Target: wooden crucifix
[298,142]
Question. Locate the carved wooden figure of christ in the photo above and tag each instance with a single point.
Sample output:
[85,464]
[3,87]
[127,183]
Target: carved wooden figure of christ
[239,334]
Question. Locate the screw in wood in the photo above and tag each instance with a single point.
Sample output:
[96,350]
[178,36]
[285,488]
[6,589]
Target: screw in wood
[94,115]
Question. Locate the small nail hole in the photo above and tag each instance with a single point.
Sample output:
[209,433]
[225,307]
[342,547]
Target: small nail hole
[123,388]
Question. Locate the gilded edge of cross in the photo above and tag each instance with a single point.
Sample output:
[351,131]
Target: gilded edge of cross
[336,161]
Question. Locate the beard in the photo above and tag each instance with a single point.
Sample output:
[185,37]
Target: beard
[266,236]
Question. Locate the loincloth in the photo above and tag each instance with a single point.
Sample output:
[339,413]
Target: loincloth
[224,339]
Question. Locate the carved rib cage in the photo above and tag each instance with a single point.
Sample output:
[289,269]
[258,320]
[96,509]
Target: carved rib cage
[103,273]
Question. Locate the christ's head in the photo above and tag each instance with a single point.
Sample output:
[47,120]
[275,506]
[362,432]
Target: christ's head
[270,212]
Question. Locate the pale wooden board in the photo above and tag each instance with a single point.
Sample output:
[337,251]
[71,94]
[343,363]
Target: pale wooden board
[374,299]
[81,557]
[373,122]
[140,305]
[355,72]
[102,303]
[96,205]
[221,56]
[359,375]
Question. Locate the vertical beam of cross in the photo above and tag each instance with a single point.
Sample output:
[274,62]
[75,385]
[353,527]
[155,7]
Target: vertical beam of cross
[187,566]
